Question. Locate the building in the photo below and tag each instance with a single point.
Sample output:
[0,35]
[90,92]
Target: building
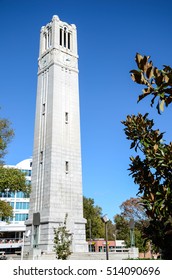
[99,245]
[11,232]
[57,172]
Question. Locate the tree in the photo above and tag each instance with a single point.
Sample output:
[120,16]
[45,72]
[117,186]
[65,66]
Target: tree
[92,213]
[6,210]
[11,179]
[158,83]
[111,230]
[152,171]
[133,209]
[122,229]
[95,228]
[6,134]
[62,241]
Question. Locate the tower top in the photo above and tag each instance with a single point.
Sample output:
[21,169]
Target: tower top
[58,35]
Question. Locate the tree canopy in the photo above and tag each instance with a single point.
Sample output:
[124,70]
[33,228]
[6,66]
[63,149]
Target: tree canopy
[132,209]
[6,210]
[6,135]
[151,168]
[11,179]
[93,213]
[95,228]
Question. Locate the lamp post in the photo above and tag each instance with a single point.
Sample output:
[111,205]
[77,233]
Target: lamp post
[105,220]
[90,247]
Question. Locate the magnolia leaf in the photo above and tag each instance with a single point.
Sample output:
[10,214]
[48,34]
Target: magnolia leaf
[161,106]
[138,59]
[167,68]
[144,63]
[159,80]
[143,80]
[168,100]
[136,77]
[132,145]
[155,147]
[156,72]
[166,79]
[150,72]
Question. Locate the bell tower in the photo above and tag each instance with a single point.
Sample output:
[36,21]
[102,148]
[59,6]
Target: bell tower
[56,168]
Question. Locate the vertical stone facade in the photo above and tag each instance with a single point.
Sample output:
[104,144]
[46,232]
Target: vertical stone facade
[56,168]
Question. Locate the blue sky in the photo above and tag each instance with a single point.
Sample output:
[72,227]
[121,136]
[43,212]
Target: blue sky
[110,33]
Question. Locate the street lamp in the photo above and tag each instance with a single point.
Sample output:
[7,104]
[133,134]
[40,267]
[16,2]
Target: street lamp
[105,220]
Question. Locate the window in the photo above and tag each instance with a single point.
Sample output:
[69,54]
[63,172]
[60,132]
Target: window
[12,204]
[65,38]
[66,167]
[61,36]
[22,205]
[69,41]
[66,117]
[21,217]
[26,171]
[28,182]
[7,194]
[49,37]
[41,156]
[100,248]
[43,108]
[45,41]
[22,195]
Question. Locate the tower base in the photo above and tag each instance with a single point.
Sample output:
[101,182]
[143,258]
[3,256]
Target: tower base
[46,237]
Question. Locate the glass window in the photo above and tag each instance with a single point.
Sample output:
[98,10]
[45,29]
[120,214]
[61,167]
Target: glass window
[20,195]
[21,217]
[100,248]
[26,171]
[22,205]
[7,194]
[12,204]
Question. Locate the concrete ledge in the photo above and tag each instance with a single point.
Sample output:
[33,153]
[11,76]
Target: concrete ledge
[132,253]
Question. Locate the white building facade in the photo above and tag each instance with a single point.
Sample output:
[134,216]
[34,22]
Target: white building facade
[57,172]
[11,232]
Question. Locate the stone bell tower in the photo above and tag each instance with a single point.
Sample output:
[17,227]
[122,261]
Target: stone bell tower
[56,169]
